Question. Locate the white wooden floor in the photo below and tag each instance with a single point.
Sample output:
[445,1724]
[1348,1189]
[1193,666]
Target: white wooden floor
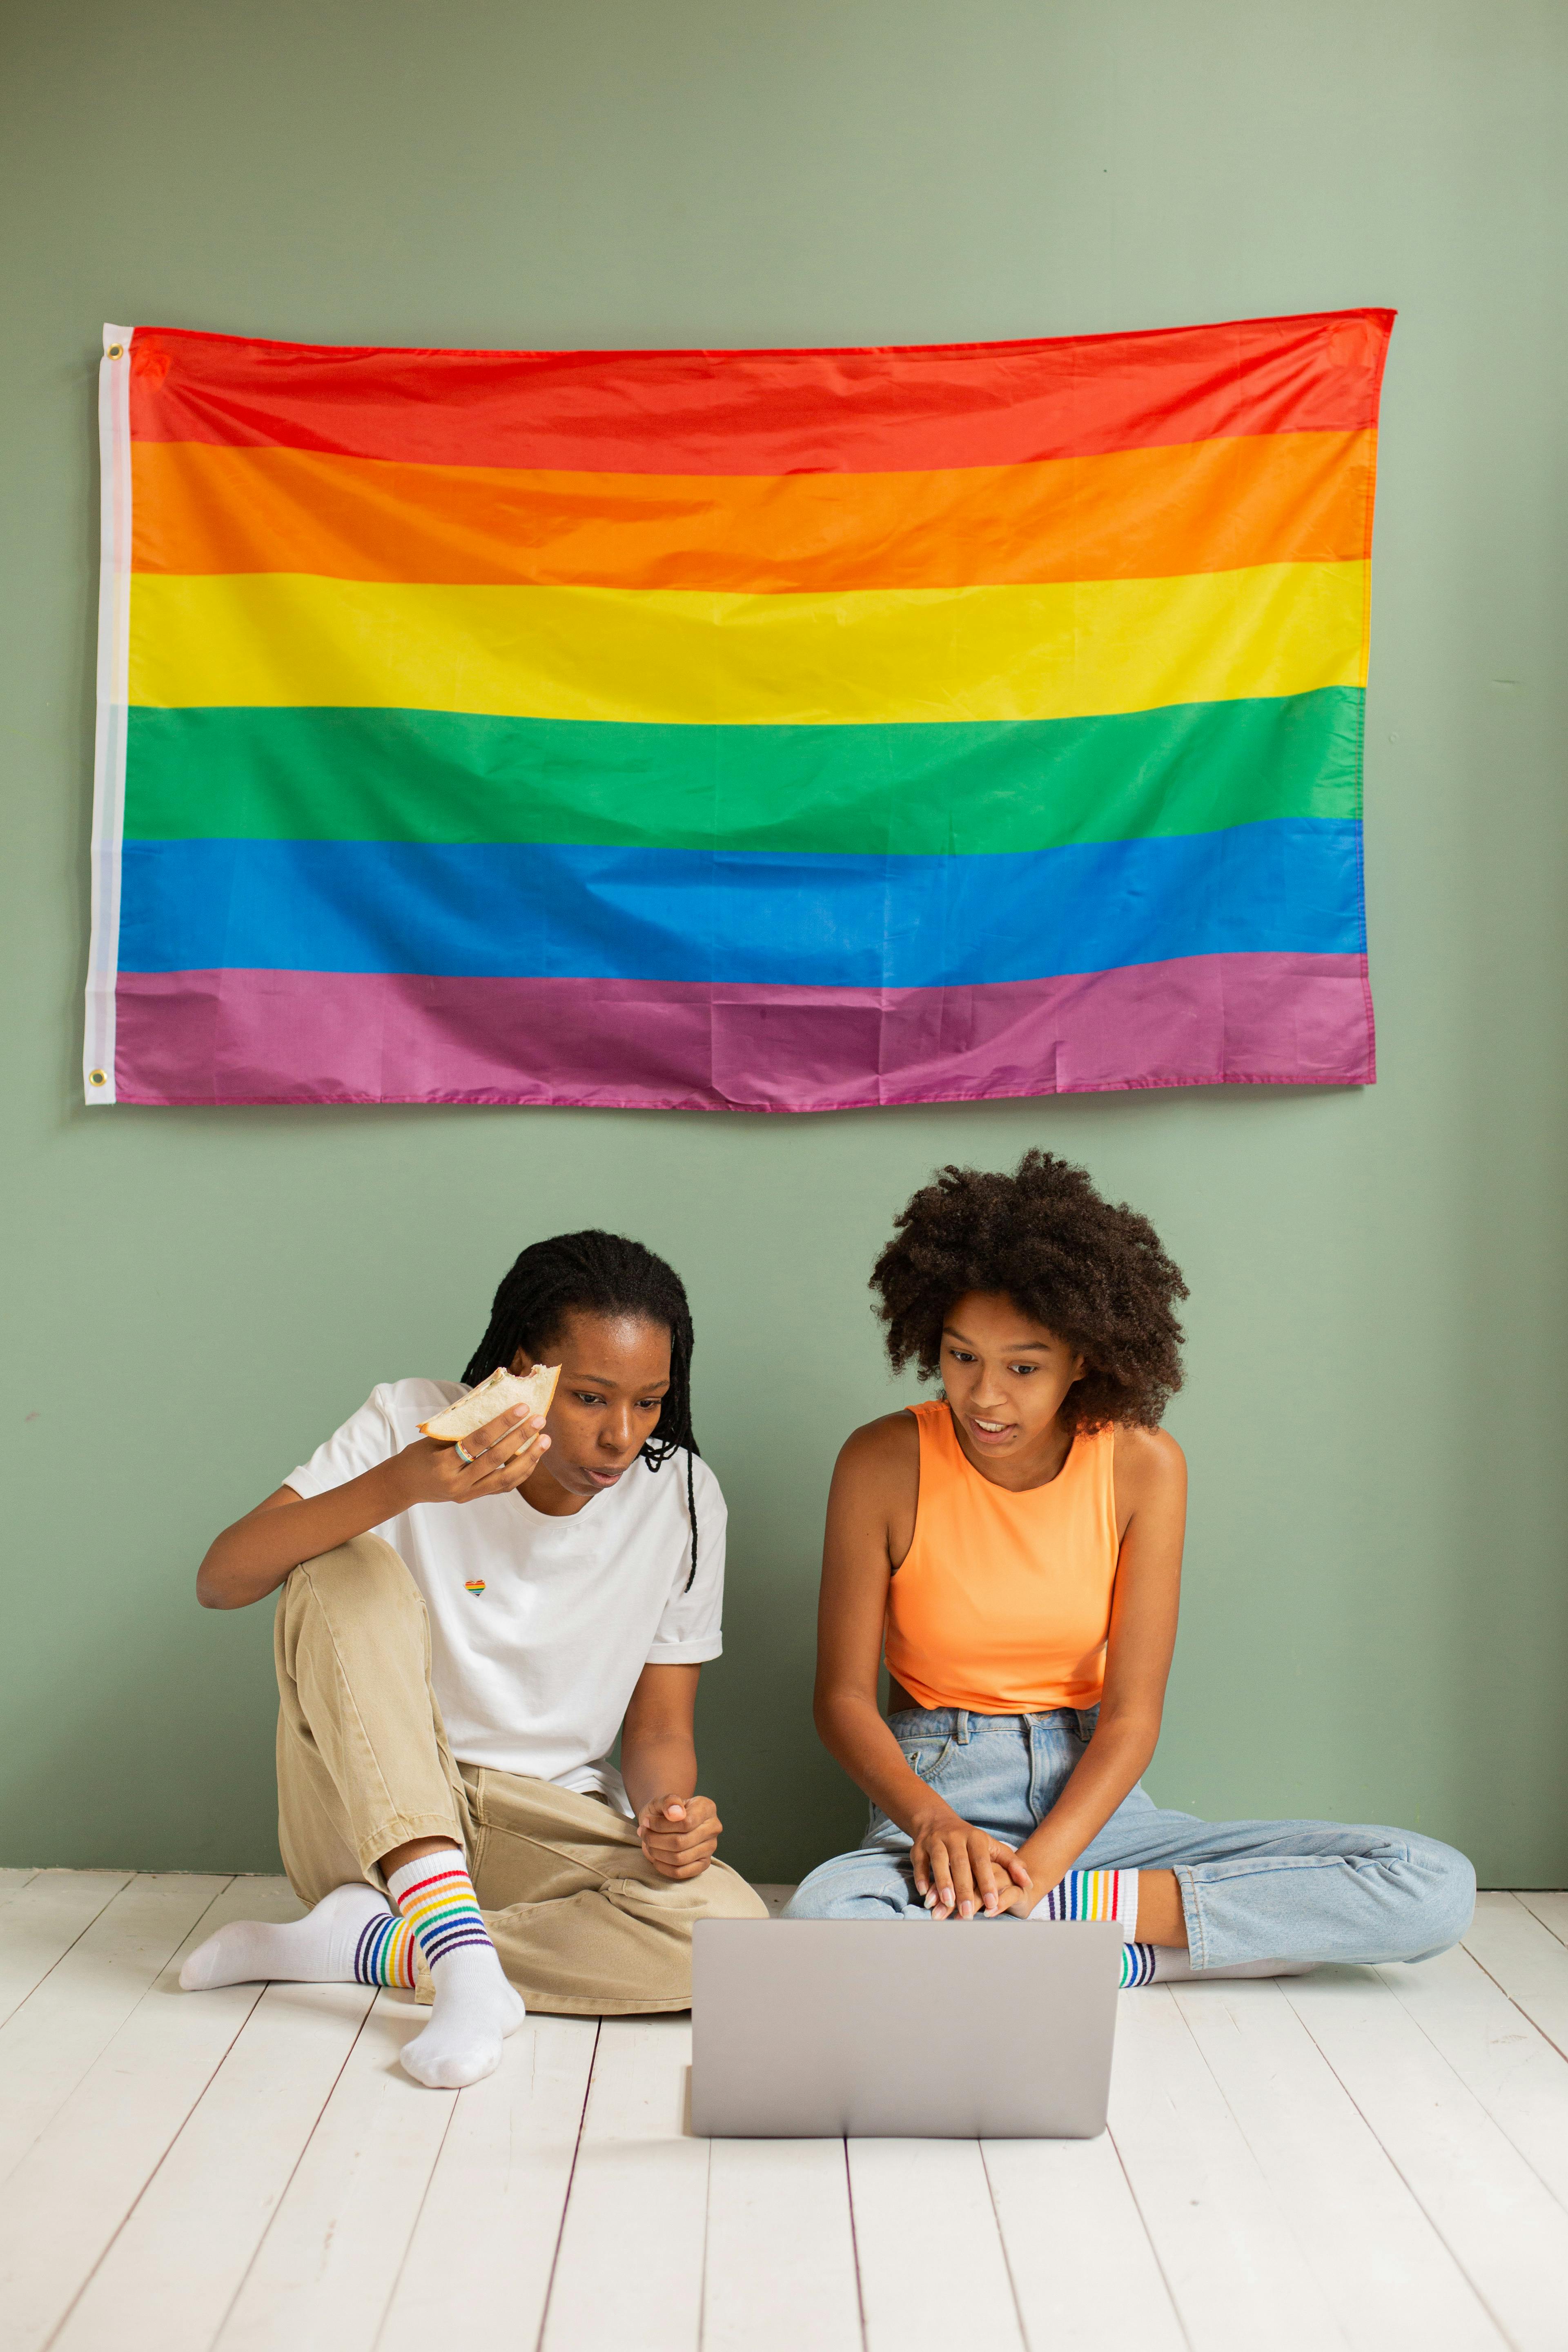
[1375,2159]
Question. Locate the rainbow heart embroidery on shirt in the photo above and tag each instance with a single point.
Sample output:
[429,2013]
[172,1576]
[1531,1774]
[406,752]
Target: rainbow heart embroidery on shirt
[476,1585]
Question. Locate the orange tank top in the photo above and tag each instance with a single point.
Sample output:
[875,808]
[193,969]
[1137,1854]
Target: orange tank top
[1003,1603]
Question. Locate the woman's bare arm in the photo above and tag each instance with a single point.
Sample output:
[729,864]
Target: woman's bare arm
[871,1526]
[678,1828]
[252,1557]
[1152,1503]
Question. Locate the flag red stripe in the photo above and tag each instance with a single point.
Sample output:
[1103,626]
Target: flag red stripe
[911,408]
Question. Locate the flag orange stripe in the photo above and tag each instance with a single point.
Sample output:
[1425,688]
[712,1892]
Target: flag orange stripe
[1205,506]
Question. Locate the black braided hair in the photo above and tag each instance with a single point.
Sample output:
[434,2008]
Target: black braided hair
[602,1274]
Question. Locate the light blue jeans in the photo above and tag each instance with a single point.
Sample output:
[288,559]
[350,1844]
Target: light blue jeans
[1251,1890]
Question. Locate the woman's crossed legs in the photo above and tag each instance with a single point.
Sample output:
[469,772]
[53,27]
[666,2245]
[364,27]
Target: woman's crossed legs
[1296,1892]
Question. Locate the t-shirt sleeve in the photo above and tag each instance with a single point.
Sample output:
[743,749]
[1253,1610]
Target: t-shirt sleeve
[691,1630]
[367,1440]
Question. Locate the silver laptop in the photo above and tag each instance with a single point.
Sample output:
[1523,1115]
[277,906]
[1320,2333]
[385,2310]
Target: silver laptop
[809,2029]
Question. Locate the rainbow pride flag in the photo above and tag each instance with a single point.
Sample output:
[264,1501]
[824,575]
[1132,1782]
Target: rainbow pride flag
[772,730]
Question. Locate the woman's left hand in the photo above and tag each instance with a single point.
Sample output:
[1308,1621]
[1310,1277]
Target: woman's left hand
[678,1835]
[962,1871]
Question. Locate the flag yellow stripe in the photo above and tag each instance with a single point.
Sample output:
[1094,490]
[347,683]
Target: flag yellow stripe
[680,656]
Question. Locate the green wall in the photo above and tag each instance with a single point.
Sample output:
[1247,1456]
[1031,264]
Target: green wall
[1376,1623]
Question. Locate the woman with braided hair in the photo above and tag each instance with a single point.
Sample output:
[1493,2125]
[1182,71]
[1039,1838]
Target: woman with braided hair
[461,1634]
[1016,1548]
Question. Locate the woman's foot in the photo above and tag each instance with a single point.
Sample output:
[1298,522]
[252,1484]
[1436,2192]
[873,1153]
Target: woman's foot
[474,2011]
[1175,1968]
[320,1949]
[475,2008]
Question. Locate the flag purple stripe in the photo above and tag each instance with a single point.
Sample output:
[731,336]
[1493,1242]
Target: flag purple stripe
[249,1036]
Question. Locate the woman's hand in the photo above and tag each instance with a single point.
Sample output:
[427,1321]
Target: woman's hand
[504,1454]
[965,1870]
[678,1835]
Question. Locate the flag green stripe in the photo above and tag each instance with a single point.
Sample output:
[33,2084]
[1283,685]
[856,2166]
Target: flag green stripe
[269,774]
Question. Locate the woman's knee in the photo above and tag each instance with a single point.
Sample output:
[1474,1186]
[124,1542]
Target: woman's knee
[672,1907]
[1423,1894]
[724,1894]
[852,1886]
[362,1583]
[365,1571]
[1445,1897]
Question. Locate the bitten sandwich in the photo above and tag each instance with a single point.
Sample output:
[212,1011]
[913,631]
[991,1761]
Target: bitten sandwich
[496,1395]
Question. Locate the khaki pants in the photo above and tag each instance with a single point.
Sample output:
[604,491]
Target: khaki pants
[583,1923]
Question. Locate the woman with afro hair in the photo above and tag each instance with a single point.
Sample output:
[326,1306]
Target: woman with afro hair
[1015,1545]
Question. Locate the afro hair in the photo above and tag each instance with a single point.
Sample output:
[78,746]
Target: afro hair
[1094,1275]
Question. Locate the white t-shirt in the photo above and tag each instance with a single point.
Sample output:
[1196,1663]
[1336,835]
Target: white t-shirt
[539,1627]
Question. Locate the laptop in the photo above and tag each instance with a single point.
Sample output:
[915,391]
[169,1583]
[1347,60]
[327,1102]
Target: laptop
[827,2029]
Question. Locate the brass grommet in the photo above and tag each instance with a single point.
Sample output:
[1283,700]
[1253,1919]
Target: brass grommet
[115,352]
[97,1078]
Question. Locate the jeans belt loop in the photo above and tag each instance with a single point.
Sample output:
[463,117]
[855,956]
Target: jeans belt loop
[962,1732]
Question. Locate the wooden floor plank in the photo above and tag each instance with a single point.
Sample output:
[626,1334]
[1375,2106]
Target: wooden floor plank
[49,2043]
[629,2271]
[484,2244]
[1502,2225]
[205,2210]
[69,2194]
[1228,2251]
[323,2274]
[774,1895]
[1552,1910]
[11,1883]
[933,2272]
[1517,1949]
[1070,2224]
[1500,2056]
[1383,2269]
[42,1919]
[780,2272]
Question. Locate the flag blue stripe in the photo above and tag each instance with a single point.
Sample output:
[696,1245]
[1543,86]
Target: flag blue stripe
[506,910]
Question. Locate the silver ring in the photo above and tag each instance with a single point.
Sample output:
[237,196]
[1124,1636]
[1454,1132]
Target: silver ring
[463,1456]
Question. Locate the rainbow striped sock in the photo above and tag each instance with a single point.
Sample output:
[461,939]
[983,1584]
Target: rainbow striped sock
[440,1910]
[384,1952]
[1136,1964]
[1094,1894]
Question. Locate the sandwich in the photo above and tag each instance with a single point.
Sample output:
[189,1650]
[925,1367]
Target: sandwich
[493,1397]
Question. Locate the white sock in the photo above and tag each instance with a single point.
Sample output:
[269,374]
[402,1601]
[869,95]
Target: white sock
[1173,1965]
[1138,1964]
[320,1949]
[1093,1895]
[476,2007]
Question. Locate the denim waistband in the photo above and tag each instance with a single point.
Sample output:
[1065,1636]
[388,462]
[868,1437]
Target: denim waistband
[962,1724]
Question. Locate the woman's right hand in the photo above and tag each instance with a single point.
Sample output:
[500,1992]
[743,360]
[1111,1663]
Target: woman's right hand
[506,1452]
[965,1870]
